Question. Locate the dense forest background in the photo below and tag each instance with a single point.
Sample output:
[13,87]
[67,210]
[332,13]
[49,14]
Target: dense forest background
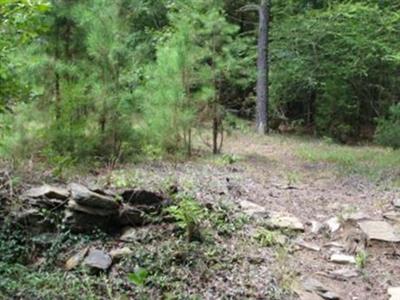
[118,79]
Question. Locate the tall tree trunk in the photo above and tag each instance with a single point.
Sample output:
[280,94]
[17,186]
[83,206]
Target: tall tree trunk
[262,69]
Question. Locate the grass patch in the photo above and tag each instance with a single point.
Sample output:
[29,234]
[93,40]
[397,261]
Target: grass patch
[372,162]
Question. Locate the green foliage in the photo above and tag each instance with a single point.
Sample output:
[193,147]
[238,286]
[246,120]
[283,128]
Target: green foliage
[361,259]
[268,238]
[189,215]
[388,130]
[139,277]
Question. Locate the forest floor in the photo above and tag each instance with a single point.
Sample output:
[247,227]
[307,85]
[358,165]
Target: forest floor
[240,258]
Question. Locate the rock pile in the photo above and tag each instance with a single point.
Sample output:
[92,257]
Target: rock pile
[85,209]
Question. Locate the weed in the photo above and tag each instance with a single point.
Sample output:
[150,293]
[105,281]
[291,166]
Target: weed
[139,277]
[268,238]
[361,259]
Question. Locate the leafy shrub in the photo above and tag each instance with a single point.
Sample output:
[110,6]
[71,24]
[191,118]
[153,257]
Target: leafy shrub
[188,214]
[388,130]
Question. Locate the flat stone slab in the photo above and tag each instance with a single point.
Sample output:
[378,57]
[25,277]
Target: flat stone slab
[392,216]
[307,245]
[120,253]
[97,259]
[252,209]
[343,274]
[394,293]
[85,197]
[47,191]
[380,231]
[73,205]
[279,220]
[342,258]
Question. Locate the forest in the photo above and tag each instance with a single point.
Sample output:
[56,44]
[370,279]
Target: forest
[200,149]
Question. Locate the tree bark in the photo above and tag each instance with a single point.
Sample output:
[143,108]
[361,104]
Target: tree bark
[262,69]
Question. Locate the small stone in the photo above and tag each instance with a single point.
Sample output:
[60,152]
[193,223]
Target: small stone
[307,245]
[316,227]
[357,216]
[394,293]
[380,230]
[47,191]
[278,220]
[333,224]
[330,296]
[342,258]
[97,260]
[120,253]
[396,203]
[76,259]
[129,235]
[252,209]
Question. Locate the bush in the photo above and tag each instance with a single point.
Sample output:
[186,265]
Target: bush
[388,130]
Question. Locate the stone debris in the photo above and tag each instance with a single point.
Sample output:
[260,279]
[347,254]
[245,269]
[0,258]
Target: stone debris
[396,203]
[343,274]
[312,285]
[85,197]
[97,260]
[252,209]
[356,216]
[342,258]
[393,216]
[278,220]
[316,227]
[333,224]
[308,245]
[380,231]
[394,293]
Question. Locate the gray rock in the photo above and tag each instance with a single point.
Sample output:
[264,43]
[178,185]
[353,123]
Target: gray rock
[316,227]
[333,224]
[342,258]
[73,205]
[380,231]
[279,220]
[98,260]
[330,295]
[356,216]
[253,209]
[313,285]
[48,191]
[32,220]
[80,222]
[394,293]
[308,246]
[83,196]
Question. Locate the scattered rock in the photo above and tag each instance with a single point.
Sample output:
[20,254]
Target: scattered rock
[129,235]
[313,285]
[343,274]
[357,216]
[97,260]
[278,220]
[316,227]
[83,196]
[252,209]
[380,230]
[307,245]
[396,203]
[394,293]
[32,220]
[47,191]
[334,247]
[333,224]
[342,258]
[76,259]
[120,253]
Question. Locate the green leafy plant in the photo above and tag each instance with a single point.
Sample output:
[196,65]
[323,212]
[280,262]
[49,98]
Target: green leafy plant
[388,130]
[188,214]
[139,277]
[268,238]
